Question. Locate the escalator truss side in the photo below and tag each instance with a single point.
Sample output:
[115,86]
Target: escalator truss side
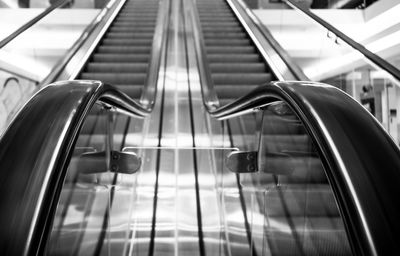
[354,149]
[43,151]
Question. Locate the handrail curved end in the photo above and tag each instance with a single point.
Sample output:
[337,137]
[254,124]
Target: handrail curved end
[34,152]
[355,149]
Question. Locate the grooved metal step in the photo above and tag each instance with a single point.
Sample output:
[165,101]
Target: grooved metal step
[117,78]
[235,64]
[122,57]
[117,67]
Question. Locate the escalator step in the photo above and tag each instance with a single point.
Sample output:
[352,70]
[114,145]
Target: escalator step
[206,15]
[133,24]
[101,57]
[131,29]
[239,58]
[136,22]
[127,42]
[235,64]
[119,35]
[219,36]
[117,67]
[228,34]
[230,50]
[218,19]
[222,29]
[244,78]
[149,17]
[233,92]
[238,67]
[124,49]
[117,78]
[226,42]
[221,24]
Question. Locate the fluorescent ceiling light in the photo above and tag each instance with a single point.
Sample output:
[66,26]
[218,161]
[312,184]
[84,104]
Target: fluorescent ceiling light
[11,3]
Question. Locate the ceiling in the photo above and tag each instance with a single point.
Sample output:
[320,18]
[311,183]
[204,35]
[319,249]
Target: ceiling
[320,53]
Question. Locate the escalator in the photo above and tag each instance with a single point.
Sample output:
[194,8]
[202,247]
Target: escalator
[235,64]
[267,173]
[123,56]
[125,52]
[292,188]
[301,201]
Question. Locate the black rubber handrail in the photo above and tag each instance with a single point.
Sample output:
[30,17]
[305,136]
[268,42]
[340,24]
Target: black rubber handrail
[148,97]
[257,24]
[34,154]
[32,22]
[111,7]
[361,160]
[210,97]
[375,59]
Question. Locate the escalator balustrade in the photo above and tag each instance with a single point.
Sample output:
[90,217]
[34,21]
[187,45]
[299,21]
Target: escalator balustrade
[286,207]
[122,59]
[290,200]
[289,203]
[86,206]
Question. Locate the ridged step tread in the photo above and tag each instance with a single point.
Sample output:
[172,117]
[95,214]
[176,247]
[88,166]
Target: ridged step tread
[229,58]
[123,55]
[122,35]
[117,78]
[244,78]
[117,67]
[127,42]
[227,42]
[114,57]
[132,28]
[124,49]
[233,92]
[238,67]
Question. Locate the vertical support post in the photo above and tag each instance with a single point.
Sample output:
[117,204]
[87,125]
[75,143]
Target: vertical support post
[109,136]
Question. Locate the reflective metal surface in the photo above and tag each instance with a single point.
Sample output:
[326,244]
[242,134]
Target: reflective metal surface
[42,153]
[176,229]
[223,217]
[183,200]
[158,49]
[175,204]
[209,94]
[338,125]
[290,199]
